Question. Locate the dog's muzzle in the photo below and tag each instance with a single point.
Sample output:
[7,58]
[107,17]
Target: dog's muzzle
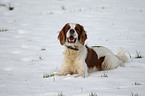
[71,39]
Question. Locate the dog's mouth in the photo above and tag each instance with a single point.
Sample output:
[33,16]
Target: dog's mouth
[71,39]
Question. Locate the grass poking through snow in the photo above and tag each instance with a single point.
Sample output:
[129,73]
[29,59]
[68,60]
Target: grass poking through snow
[10,7]
[40,58]
[43,49]
[92,94]
[48,75]
[137,83]
[104,75]
[138,55]
[132,94]
[60,94]
[129,55]
[3,30]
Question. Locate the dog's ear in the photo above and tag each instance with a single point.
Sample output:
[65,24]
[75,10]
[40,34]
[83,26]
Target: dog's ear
[83,35]
[62,35]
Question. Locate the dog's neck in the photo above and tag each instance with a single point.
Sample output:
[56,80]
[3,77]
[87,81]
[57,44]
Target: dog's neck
[75,48]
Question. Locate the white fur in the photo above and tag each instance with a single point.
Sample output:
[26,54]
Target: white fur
[111,61]
[74,62]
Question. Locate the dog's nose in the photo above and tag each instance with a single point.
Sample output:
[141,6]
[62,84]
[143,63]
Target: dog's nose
[72,31]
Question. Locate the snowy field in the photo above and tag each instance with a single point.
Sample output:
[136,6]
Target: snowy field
[29,48]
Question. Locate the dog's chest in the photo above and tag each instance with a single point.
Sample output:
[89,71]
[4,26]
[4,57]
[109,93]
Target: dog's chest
[71,56]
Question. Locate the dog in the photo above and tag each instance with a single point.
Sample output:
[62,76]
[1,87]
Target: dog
[80,59]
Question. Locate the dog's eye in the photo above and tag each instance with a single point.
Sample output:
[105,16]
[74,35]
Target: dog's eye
[77,29]
[68,28]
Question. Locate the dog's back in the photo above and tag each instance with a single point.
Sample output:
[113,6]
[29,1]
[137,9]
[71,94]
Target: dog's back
[111,60]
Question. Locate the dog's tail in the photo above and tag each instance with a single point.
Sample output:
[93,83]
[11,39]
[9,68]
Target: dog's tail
[122,57]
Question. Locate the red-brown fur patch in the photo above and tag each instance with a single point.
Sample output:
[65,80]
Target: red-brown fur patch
[92,59]
[62,34]
[81,33]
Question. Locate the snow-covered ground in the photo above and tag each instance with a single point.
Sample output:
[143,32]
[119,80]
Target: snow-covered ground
[30,49]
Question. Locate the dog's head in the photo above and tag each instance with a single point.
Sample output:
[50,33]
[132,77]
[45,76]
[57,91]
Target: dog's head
[72,34]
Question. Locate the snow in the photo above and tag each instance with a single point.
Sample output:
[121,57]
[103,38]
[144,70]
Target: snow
[33,25]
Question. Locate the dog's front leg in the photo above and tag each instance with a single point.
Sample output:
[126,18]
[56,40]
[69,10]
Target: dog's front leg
[65,68]
[82,69]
